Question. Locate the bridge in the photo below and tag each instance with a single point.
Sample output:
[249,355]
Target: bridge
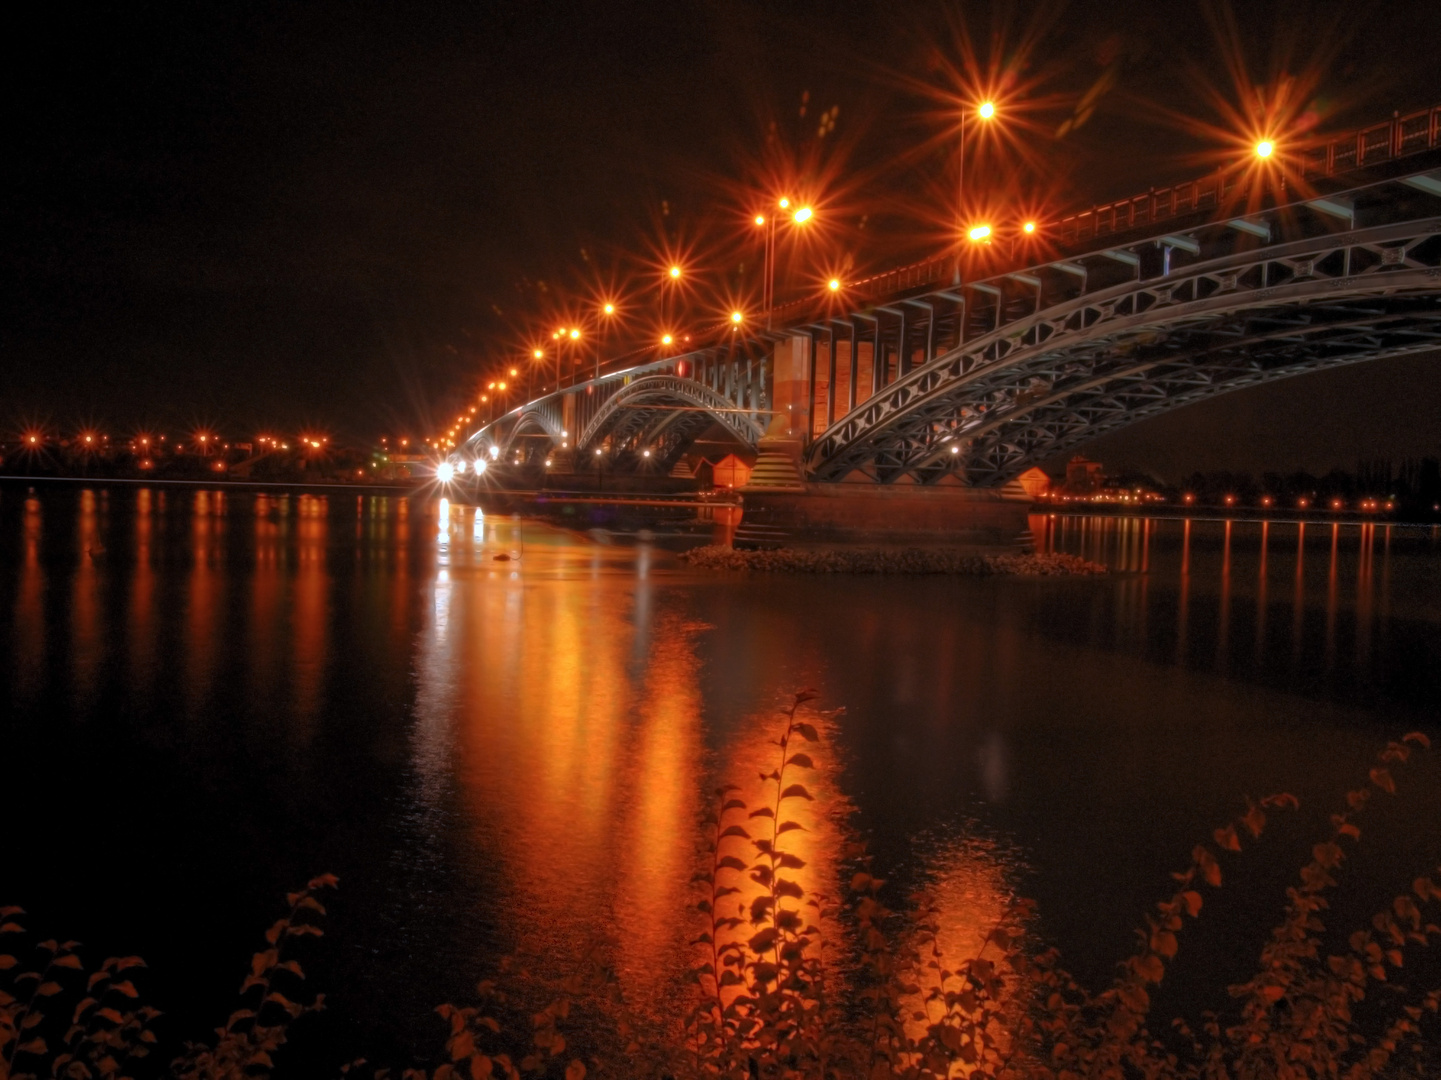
[928,376]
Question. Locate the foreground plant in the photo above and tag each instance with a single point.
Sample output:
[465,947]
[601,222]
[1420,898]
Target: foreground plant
[790,984]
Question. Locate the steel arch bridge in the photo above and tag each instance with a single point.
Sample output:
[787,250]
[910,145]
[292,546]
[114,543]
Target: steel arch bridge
[660,407]
[1145,305]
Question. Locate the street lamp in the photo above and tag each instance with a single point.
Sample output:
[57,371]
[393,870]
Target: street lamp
[985,111]
[798,217]
[1265,148]
[608,311]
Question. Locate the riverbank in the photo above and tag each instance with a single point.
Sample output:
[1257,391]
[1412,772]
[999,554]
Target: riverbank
[879,560]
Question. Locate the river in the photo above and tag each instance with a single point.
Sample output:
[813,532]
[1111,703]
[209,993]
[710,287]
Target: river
[211,695]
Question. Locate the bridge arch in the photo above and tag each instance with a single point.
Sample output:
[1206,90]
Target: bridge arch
[1069,372]
[667,412]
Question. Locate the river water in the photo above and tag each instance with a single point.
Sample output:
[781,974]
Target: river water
[209,696]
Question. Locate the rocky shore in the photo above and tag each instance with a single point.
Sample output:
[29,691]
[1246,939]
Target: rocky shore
[876,560]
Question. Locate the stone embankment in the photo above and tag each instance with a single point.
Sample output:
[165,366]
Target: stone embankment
[875,560]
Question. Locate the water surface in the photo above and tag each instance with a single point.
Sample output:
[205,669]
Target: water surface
[210,696]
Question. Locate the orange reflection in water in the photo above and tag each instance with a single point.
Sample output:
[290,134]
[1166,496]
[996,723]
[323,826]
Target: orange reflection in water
[968,899]
[566,705]
[203,591]
[1205,560]
[141,629]
[310,602]
[30,603]
[85,642]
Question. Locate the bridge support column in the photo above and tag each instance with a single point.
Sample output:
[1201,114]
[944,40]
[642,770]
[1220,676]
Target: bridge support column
[777,466]
[874,513]
[791,393]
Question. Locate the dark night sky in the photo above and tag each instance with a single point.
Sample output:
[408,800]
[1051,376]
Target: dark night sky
[335,213]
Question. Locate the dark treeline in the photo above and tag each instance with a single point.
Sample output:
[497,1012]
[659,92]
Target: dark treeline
[1414,487]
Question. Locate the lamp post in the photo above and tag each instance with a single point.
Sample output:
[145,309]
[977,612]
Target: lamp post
[799,216]
[985,111]
[607,311]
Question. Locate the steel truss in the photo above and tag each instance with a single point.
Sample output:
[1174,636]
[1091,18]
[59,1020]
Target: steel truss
[1045,380]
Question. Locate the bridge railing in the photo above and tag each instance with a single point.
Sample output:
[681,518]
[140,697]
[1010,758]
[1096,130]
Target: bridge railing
[1398,137]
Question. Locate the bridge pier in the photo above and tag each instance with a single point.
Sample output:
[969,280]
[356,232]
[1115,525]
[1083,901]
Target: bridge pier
[875,513]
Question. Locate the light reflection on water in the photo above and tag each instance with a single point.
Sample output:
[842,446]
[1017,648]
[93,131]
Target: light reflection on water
[1309,597]
[503,735]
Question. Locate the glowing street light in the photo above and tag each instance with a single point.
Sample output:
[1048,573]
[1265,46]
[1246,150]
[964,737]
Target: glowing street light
[979,233]
[666,339]
[799,216]
[675,272]
[834,284]
[608,310]
[1265,148]
[445,472]
[986,111]
[1029,227]
[737,318]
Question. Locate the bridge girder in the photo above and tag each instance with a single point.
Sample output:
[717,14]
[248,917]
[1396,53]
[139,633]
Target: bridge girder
[1046,380]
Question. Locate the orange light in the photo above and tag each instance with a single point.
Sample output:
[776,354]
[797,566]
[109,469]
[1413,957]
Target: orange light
[500,386]
[784,203]
[987,110]
[513,372]
[675,271]
[803,215]
[760,219]
[1265,148]
[737,317]
[666,339]
[1029,227]
[979,233]
[834,284]
[609,309]
[575,335]
[537,354]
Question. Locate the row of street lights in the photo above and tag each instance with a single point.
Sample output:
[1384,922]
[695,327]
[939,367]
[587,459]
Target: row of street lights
[798,216]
